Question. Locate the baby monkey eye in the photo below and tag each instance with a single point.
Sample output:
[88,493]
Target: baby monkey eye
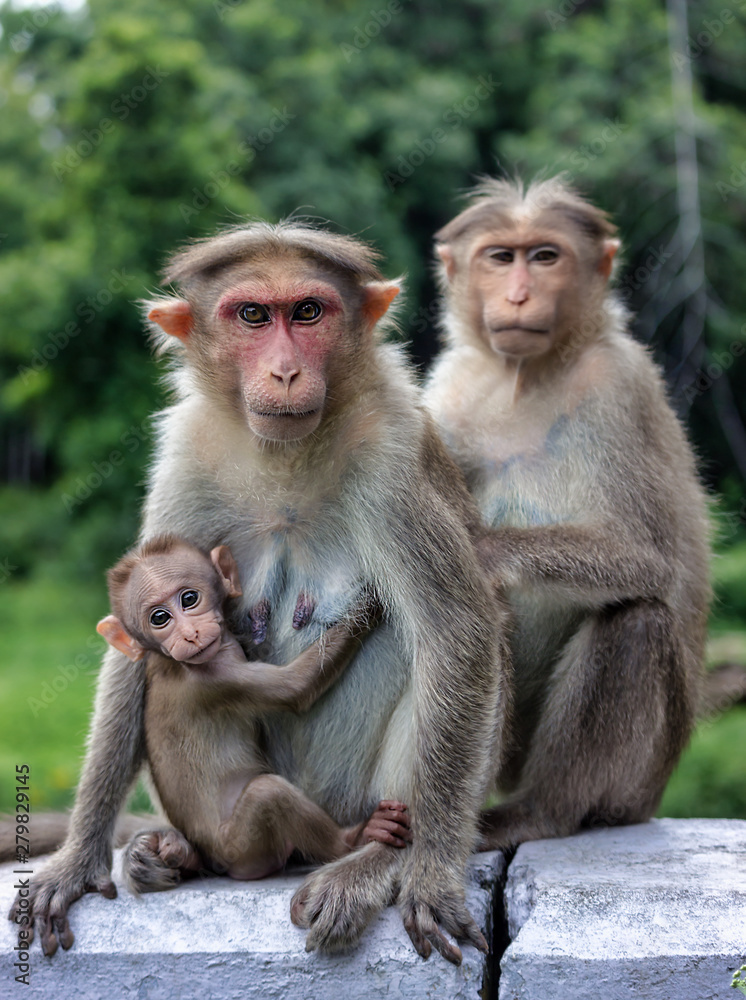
[307,311]
[253,314]
[189,598]
[159,618]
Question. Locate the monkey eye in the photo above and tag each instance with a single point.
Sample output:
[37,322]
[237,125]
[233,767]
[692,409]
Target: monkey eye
[307,311]
[502,255]
[160,617]
[189,598]
[253,313]
[544,255]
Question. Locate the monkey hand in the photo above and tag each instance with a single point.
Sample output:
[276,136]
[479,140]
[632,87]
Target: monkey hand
[429,902]
[63,879]
[389,824]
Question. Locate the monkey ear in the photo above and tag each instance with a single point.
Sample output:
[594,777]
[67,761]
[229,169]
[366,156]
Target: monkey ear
[113,631]
[446,255]
[174,318]
[225,564]
[378,296]
[610,248]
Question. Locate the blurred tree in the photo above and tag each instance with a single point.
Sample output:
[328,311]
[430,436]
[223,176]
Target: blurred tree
[129,130]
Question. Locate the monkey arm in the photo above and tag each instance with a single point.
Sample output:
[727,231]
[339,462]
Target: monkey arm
[297,685]
[457,629]
[115,753]
[591,560]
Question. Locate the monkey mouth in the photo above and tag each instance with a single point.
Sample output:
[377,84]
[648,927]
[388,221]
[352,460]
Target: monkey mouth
[204,654]
[285,423]
[512,327]
[295,414]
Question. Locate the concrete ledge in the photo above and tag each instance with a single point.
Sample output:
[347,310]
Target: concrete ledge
[216,939]
[656,911]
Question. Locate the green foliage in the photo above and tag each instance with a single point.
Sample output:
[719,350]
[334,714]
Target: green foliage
[128,130]
[709,780]
[730,582]
[50,658]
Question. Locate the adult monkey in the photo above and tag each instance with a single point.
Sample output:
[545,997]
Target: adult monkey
[299,441]
[560,422]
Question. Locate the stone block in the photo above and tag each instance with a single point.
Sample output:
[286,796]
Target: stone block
[651,912]
[216,939]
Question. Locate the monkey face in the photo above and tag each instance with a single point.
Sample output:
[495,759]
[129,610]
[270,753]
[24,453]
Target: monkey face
[173,603]
[523,289]
[280,335]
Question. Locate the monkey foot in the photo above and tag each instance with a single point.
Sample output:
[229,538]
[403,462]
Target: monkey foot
[155,859]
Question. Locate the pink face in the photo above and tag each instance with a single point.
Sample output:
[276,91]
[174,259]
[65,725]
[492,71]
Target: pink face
[281,337]
[173,601]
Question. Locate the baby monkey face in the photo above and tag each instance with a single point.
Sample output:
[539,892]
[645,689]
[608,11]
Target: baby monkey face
[177,606]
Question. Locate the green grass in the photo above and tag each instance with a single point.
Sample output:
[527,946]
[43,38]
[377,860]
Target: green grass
[711,777]
[51,656]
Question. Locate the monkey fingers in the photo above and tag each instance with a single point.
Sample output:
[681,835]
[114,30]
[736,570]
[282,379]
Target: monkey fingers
[389,824]
[155,860]
[48,901]
[422,922]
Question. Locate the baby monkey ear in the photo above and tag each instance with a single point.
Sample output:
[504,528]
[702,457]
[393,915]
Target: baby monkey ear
[225,564]
[114,632]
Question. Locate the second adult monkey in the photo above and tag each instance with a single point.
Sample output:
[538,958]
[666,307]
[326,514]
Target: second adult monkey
[560,422]
[202,706]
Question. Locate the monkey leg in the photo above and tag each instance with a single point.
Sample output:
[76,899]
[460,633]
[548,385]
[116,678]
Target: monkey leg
[618,712]
[155,860]
[339,900]
[270,820]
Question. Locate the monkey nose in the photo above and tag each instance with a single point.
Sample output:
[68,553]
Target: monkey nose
[286,376]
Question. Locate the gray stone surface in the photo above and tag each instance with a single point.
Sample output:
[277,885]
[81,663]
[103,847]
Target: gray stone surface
[656,911]
[219,939]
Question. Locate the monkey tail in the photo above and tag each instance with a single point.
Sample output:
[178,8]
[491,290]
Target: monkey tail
[47,831]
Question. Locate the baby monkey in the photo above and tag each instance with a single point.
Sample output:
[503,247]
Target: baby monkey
[202,720]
